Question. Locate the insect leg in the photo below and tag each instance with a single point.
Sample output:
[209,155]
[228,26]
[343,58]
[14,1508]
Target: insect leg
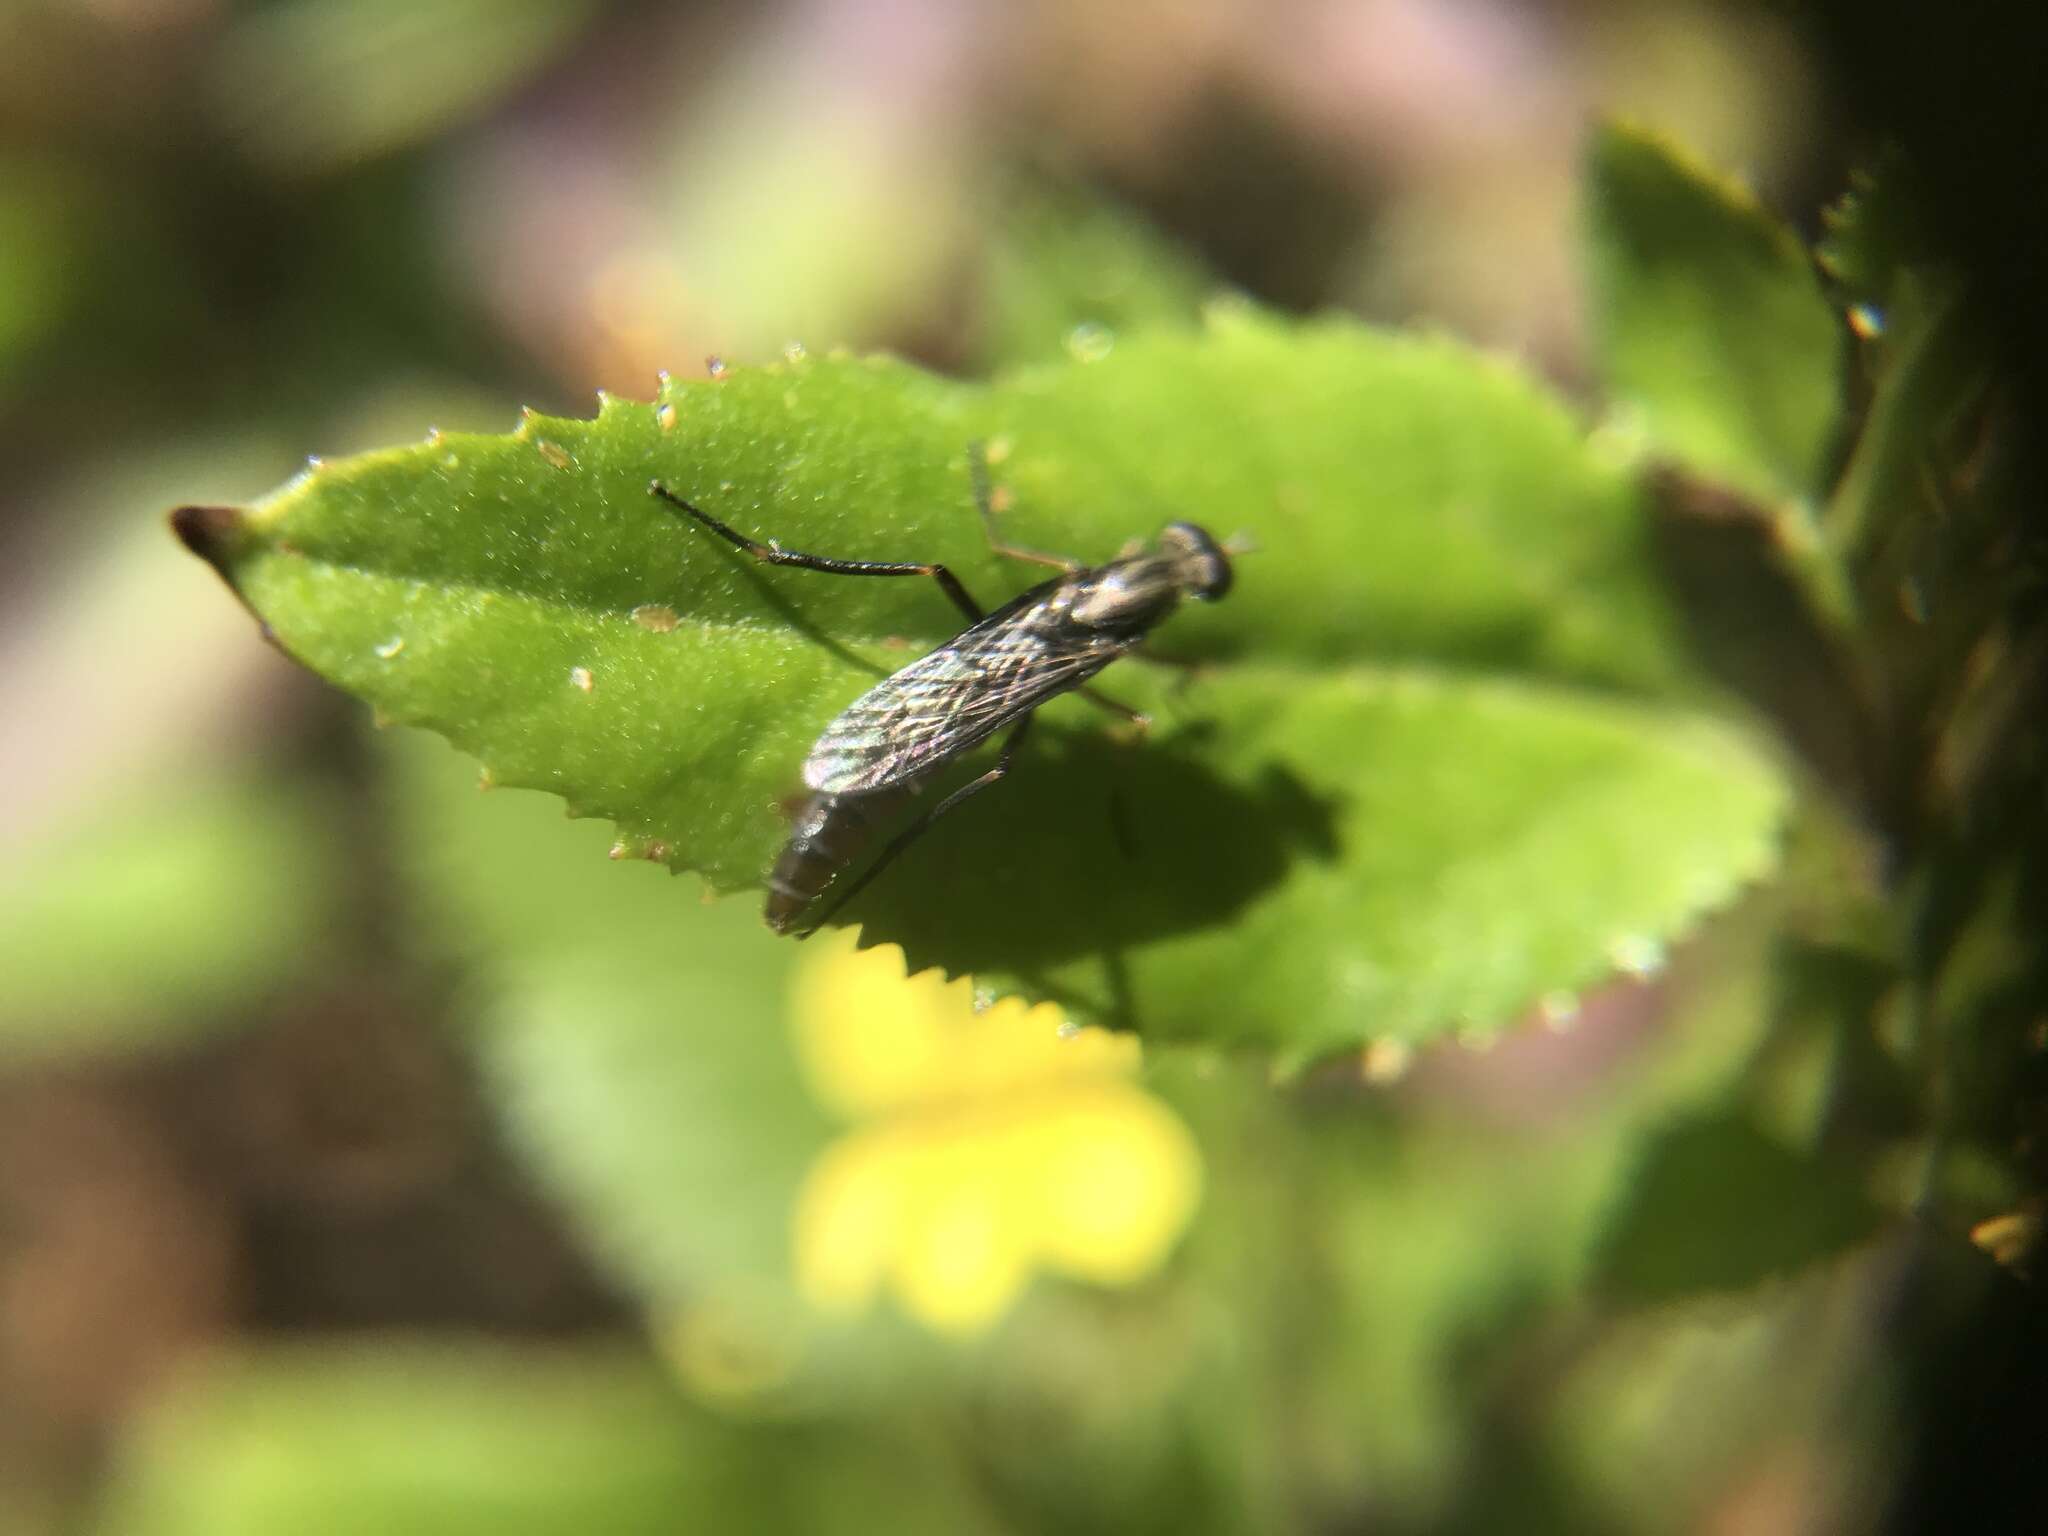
[1136,718]
[984,503]
[775,554]
[917,828]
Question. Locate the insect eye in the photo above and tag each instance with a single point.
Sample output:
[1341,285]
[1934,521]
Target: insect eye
[1215,576]
[1204,567]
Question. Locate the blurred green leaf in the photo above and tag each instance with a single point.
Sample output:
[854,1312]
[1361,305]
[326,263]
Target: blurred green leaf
[1069,275]
[38,241]
[1404,847]
[1709,321]
[1433,1224]
[1920,447]
[1770,616]
[797,196]
[312,85]
[1680,1418]
[1929,372]
[393,1437]
[634,1039]
[1717,1205]
[165,914]
[1872,234]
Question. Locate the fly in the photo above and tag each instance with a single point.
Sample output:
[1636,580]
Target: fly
[891,741]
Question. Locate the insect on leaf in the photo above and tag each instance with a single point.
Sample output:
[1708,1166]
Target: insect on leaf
[1432,763]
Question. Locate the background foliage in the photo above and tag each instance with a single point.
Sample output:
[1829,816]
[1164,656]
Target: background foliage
[1579,921]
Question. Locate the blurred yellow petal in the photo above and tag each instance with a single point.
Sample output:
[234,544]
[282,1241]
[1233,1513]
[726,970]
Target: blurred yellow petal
[873,1039]
[1012,1046]
[1121,1180]
[847,1217]
[961,1264]
[870,1040]
[995,1143]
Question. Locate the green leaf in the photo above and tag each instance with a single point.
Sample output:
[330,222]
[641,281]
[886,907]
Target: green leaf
[1926,359]
[1930,373]
[1497,1167]
[312,86]
[412,1439]
[1421,517]
[633,1038]
[1710,324]
[1329,857]
[1875,236]
[1070,276]
[396,1437]
[39,240]
[1716,1205]
[164,914]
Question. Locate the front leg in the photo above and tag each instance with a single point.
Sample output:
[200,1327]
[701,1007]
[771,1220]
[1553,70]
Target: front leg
[774,554]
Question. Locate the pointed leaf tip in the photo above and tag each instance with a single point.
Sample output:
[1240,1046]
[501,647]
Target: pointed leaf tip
[211,533]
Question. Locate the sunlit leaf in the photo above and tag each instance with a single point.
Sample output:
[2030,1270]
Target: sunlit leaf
[1339,827]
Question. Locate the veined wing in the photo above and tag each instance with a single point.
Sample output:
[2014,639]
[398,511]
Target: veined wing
[941,705]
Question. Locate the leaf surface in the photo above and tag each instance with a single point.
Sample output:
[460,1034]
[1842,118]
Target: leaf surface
[1427,771]
[1716,1205]
[394,1437]
[1710,324]
[171,912]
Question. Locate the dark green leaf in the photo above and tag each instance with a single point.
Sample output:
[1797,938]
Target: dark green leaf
[1709,320]
[1716,1205]
[1921,441]
[1872,234]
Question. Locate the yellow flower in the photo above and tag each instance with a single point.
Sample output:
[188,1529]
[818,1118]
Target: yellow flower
[988,1145]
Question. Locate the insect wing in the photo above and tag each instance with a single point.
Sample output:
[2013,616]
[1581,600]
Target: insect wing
[941,705]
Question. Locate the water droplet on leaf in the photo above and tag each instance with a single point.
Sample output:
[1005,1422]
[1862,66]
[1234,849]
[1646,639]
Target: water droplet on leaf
[1089,342]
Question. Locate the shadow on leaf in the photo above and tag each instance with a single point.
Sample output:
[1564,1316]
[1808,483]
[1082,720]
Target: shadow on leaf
[1090,846]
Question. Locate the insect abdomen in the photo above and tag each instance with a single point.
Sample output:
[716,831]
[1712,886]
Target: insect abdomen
[829,834]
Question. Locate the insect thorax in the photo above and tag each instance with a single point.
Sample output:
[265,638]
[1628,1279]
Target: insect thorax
[1130,596]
